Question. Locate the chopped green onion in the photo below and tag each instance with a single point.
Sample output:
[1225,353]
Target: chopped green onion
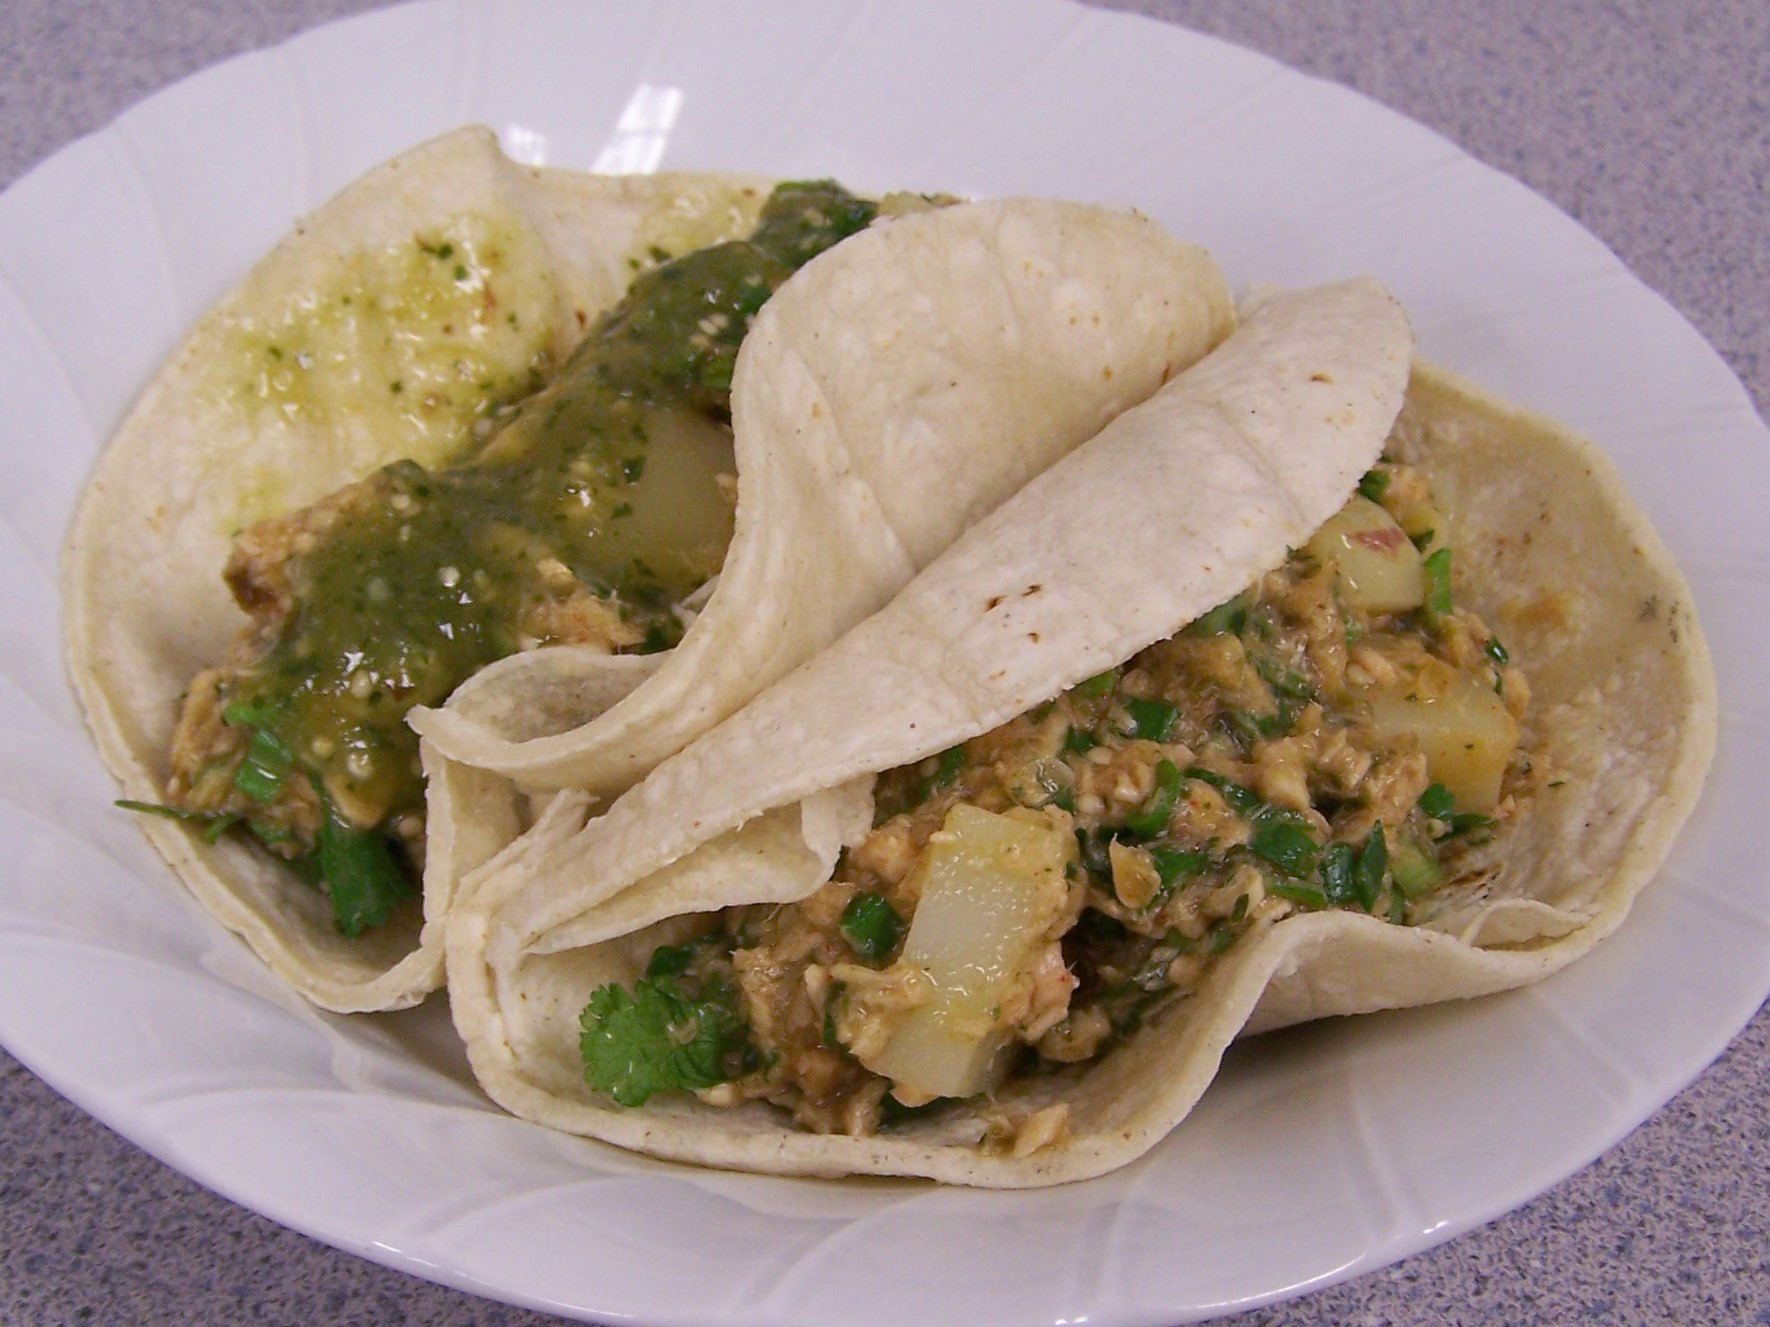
[1282,839]
[1079,740]
[1437,569]
[1151,818]
[1374,484]
[1152,720]
[1497,652]
[1244,801]
[1284,680]
[266,764]
[1175,864]
[1371,867]
[1097,687]
[1337,861]
[1305,896]
[1413,869]
[1225,618]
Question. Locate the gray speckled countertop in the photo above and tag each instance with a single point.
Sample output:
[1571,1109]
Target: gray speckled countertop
[1648,123]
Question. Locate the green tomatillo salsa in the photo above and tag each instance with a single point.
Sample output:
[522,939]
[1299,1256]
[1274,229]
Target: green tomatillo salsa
[585,512]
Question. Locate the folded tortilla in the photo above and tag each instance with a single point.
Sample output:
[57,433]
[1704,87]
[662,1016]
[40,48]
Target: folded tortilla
[889,396]
[865,442]
[1212,480]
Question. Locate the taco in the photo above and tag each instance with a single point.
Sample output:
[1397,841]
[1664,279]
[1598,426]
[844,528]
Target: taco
[1319,683]
[472,409]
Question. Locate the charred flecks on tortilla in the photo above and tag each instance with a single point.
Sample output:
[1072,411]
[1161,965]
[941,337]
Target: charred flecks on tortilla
[587,513]
[1332,738]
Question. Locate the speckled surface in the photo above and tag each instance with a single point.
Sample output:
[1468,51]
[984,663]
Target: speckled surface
[1648,123]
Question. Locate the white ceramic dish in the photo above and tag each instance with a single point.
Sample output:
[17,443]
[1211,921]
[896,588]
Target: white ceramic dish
[1319,1153]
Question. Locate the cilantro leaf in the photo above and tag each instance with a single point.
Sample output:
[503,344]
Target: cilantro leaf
[871,925]
[362,875]
[658,1038]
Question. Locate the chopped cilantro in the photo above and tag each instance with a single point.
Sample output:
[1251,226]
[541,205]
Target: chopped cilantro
[670,960]
[215,824]
[1437,801]
[361,873]
[659,1038]
[871,925]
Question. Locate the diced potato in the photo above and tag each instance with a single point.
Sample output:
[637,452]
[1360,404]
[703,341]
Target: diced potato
[1378,564]
[1463,726]
[991,887]
[1424,522]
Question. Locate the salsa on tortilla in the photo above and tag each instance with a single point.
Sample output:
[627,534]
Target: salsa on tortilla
[586,513]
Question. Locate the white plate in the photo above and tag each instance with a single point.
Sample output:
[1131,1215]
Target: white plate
[1319,1153]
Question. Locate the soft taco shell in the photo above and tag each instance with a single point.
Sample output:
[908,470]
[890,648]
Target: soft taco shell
[1219,473]
[821,499]
[888,396]
[210,446]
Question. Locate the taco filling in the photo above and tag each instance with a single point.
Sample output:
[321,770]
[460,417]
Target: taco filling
[586,513]
[1334,738]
